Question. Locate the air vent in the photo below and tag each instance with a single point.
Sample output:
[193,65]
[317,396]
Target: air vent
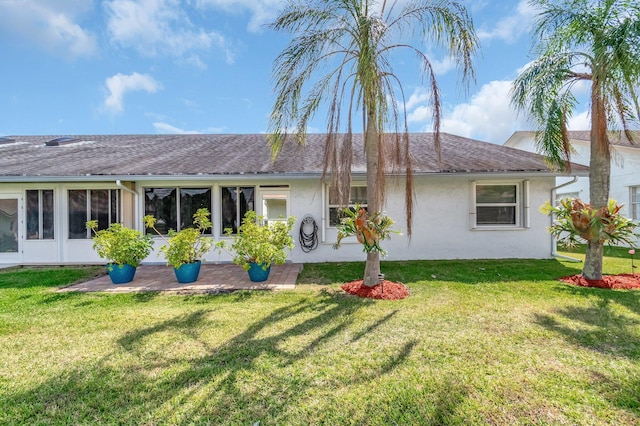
[4,140]
[60,141]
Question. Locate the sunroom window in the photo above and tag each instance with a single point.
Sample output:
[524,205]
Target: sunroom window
[40,214]
[236,201]
[102,205]
[174,207]
[358,195]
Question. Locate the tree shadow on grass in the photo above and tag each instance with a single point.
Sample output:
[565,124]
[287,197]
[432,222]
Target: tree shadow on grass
[254,375]
[603,328]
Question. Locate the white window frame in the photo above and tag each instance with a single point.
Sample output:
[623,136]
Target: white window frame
[521,204]
[336,206]
[634,202]
[88,191]
[40,214]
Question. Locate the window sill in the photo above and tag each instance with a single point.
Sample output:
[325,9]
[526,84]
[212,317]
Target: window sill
[500,228]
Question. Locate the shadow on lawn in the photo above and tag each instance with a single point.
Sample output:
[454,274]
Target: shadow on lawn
[257,374]
[606,329]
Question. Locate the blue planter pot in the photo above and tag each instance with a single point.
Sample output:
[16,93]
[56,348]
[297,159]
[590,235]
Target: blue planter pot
[121,274]
[188,272]
[257,273]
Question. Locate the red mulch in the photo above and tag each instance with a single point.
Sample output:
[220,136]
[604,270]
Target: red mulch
[621,281]
[388,290]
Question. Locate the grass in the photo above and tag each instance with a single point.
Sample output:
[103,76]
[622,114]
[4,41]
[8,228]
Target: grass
[477,342]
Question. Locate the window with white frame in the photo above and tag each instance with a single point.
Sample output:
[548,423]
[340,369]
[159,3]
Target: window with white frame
[635,202]
[235,202]
[500,204]
[174,207]
[40,214]
[358,195]
[102,205]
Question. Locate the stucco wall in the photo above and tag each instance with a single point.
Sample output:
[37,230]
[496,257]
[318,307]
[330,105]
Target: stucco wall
[441,228]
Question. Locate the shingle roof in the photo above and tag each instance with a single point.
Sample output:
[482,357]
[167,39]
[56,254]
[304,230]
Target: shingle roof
[616,138]
[240,154]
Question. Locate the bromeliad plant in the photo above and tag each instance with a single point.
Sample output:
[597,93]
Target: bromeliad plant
[576,222]
[258,241]
[120,245]
[369,229]
[187,245]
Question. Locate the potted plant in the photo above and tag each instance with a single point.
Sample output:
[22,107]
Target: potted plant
[259,244]
[122,247]
[185,249]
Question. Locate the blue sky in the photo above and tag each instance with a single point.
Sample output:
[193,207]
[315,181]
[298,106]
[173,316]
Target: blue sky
[204,66]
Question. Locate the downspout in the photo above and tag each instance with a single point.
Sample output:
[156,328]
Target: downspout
[554,251]
[135,201]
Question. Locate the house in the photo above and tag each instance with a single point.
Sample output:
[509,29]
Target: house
[482,202]
[625,168]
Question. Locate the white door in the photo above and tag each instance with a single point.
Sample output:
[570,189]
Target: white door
[10,236]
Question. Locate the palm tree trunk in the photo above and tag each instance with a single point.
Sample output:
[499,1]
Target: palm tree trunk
[599,178]
[372,267]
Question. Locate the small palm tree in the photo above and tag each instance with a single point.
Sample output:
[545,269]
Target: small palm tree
[354,40]
[597,42]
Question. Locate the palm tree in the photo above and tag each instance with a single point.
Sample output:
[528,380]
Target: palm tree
[592,41]
[354,40]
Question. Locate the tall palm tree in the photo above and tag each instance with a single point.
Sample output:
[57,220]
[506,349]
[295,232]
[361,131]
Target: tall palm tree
[593,41]
[353,41]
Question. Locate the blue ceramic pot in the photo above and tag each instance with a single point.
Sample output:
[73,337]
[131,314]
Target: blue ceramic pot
[121,274]
[257,273]
[188,272]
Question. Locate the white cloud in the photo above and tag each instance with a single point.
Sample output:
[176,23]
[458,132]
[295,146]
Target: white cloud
[581,121]
[51,25]
[510,27]
[488,116]
[120,84]
[161,27]
[169,129]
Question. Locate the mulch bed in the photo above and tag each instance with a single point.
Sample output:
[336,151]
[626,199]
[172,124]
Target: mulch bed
[388,290]
[621,281]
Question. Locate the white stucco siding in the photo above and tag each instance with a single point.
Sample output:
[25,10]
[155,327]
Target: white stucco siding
[441,228]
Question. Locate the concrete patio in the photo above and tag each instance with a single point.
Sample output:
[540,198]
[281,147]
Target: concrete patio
[213,278]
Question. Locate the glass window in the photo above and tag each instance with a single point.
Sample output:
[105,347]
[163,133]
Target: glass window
[496,205]
[358,195]
[40,214]
[236,201]
[102,205]
[635,202]
[172,211]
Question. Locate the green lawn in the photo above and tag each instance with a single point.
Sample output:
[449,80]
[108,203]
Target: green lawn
[477,342]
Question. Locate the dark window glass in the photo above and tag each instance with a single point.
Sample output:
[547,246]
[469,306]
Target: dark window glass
[33,215]
[236,201]
[492,194]
[47,214]
[496,215]
[163,205]
[78,214]
[358,195]
[101,208]
[40,214]
[192,199]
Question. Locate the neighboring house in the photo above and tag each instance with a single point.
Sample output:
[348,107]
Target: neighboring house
[482,203]
[625,168]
